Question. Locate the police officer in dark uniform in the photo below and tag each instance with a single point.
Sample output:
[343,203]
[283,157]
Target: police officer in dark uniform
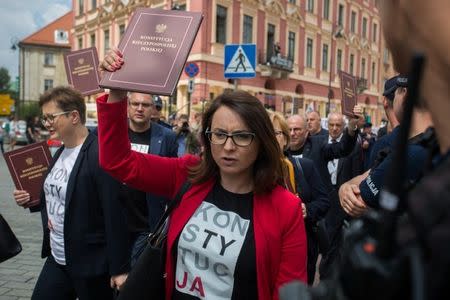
[363,191]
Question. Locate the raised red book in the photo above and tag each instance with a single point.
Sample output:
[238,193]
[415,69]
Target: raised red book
[28,167]
[349,96]
[155,47]
[82,70]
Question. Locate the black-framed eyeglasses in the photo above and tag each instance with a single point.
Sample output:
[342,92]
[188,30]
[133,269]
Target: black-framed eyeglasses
[50,118]
[241,138]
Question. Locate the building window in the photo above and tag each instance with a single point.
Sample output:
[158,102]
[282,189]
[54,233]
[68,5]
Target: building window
[339,60]
[80,7]
[291,45]
[93,40]
[326,9]
[374,32]
[80,43]
[353,22]
[247,34]
[364,28]
[48,59]
[386,56]
[270,41]
[363,68]
[48,84]
[325,57]
[374,67]
[352,63]
[93,4]
[341,15]
[106,40]
[221,24]
[310,6]
[121,30]
[292,1]
[309,53]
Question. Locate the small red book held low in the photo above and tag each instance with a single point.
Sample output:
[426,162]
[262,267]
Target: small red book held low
[28,167]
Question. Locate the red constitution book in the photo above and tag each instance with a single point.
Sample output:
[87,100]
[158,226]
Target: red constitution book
[155,47]
[28,167]
[349,96]
[82,70]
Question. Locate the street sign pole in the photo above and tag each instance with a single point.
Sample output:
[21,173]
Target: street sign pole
[189,105]
[190,91]
[192,69]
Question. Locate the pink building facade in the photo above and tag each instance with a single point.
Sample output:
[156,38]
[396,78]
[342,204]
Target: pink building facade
[317,38]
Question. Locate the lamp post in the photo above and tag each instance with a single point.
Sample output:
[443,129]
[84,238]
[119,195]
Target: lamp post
[336,34]
[14,47]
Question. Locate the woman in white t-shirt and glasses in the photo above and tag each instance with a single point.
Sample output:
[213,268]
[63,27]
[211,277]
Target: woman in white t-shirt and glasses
[85,233]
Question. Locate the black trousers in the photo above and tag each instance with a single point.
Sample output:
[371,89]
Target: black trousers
[55,282]
[313,253]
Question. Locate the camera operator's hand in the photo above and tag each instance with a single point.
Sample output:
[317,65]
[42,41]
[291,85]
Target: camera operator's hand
[355,122]
[351,201]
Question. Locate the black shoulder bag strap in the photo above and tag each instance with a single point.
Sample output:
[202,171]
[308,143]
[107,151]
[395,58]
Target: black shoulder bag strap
[158,235]
[146,279]
[300,177]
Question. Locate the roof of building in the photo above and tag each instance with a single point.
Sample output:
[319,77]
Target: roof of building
[55,34]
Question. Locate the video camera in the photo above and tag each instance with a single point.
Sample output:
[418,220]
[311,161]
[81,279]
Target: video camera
[373,264]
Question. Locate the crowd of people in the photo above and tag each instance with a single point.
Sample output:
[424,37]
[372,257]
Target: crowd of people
[268,193]
[13,132]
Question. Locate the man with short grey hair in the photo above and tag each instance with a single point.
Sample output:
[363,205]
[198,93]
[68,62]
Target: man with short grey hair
[314,125]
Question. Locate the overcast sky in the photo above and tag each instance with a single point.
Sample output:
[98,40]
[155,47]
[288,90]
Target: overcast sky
[21,18]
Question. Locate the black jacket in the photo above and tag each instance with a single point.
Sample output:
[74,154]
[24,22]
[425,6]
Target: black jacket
[310,189]
[163,142]
[320,152]
[95,229]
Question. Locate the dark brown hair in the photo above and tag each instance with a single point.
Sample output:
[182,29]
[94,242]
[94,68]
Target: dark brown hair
[267,169]
[67,99]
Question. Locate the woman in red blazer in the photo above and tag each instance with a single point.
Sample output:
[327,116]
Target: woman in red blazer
[237,234]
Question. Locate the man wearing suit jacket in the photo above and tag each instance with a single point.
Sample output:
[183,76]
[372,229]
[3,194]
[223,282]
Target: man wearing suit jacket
[340,170]
[321,152]
[317,147]
[314,125]
[144,210]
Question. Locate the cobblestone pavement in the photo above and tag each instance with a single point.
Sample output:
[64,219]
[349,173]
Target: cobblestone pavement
[18,275]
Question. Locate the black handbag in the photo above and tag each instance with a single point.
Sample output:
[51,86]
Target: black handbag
[9,244]
[147,280]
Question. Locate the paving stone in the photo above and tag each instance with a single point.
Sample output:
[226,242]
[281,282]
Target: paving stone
[19,293]
[19,274]
[3,291]
[5,297]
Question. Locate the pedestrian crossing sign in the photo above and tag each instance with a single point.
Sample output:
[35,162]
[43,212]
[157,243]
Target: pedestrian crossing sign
[240,61]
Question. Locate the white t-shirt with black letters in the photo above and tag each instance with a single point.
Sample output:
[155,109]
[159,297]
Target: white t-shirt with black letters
[55,187]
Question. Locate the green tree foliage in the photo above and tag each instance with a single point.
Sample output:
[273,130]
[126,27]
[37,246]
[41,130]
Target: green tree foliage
[4,79]
[29,108]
